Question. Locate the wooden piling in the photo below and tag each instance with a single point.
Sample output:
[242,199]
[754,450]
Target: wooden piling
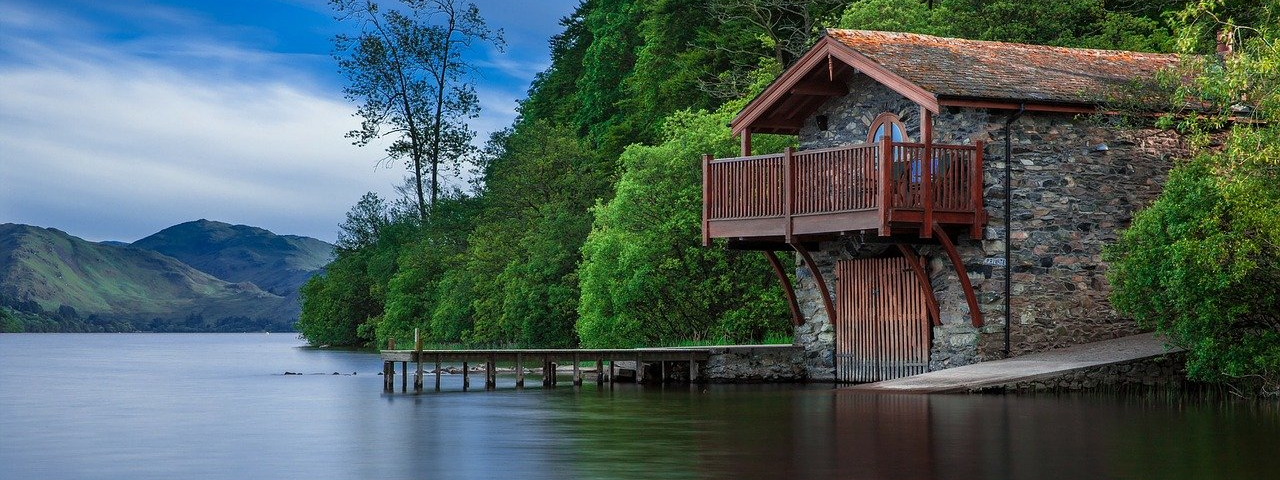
[490,374]
[639,370]
[599,371]
[387,377]
[417,348]
[437,372]
[577,371]
[519,372]
[612,372]
[466,376]
[404,376]
[546,372]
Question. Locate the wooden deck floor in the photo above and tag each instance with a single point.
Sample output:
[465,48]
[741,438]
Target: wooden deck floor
[1027,367]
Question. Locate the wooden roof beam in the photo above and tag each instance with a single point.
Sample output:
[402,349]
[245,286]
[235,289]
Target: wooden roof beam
[818,90]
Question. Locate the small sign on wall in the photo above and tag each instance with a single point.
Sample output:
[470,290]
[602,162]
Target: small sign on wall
[993,261]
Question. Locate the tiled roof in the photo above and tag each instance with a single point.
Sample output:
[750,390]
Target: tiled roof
[953,67]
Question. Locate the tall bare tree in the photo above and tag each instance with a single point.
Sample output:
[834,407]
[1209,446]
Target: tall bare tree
[406,69]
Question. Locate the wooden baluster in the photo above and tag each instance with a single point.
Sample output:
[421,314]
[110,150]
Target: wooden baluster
[886,186]
[788,158]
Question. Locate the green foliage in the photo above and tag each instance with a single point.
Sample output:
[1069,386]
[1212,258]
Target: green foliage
[1201,264]
[1069,23]
[645,276]
[344,305]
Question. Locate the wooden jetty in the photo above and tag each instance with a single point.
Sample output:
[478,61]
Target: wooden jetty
[548,360]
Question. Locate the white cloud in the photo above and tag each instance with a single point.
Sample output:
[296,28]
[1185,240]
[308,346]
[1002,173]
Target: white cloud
[121,146]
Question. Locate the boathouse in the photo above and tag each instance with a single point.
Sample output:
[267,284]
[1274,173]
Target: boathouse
[948,201]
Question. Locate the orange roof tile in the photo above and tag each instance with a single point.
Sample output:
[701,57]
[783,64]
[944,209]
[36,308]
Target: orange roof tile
[954,67]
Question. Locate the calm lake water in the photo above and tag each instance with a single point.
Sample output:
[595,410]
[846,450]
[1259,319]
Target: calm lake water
[144,406]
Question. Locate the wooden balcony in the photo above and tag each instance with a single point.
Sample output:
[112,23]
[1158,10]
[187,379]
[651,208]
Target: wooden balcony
[884,187]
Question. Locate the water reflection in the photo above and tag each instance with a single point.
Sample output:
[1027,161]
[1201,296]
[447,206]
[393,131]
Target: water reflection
[218,407]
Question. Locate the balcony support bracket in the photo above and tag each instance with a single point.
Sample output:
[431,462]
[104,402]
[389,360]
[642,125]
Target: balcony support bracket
[930,300]
[796,318]
[975,315]
[818,279]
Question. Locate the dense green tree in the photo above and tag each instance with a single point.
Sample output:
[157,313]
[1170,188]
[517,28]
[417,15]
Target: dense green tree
[1201,264]
[645,277]
[525,249]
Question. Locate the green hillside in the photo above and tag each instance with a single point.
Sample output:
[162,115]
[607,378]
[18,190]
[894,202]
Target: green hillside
[47,271]
[279,264]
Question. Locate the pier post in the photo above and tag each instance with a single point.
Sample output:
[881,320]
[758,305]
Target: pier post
[612,371]
[546,372]
[388,377]
[519,372]
[490,374]
[599,371]
[437,372]
[404,376]
[639,370]
[466,376]
[662,371]
[577,371]
[693,371]
[417,356]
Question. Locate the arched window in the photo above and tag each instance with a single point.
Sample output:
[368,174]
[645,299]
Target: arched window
[886,123]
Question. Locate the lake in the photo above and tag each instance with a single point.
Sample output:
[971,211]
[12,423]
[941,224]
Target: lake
[218,406]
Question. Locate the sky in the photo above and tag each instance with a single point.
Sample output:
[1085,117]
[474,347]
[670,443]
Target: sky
[119,118]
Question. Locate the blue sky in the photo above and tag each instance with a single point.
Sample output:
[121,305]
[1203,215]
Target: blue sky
[121,117]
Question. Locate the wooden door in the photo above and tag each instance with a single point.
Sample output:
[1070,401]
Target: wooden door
[882,327]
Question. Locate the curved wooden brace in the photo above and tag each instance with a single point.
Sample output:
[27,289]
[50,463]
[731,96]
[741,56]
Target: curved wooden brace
[974,314]
[930,300]
[796,318]
[817,277]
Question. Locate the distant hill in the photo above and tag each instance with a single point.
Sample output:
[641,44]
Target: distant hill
[196,276]
[279,264]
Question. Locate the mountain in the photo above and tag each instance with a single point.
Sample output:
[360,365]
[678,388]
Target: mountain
[279,264]
[44,270]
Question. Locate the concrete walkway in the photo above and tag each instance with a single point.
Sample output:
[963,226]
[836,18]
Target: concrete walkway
[1032,366]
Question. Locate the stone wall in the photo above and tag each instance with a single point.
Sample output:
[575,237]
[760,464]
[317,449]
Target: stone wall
[749,364]
[1076,183]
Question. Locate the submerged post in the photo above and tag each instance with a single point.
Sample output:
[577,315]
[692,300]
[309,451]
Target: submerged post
[490,374]
[577,371]
[417,356]
[519,372]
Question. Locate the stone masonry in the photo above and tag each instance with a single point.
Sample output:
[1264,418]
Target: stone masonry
[1076,183]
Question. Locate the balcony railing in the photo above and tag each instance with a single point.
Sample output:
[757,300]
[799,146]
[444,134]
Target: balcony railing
[878,186]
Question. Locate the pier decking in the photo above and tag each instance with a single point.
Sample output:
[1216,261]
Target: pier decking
[546,359]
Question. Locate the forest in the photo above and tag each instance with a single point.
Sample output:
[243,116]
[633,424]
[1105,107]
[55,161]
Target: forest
[580,226]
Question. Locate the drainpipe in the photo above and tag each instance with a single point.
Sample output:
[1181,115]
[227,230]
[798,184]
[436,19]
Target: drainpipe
[1008,223]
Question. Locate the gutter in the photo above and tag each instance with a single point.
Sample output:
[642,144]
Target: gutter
[1008,223]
